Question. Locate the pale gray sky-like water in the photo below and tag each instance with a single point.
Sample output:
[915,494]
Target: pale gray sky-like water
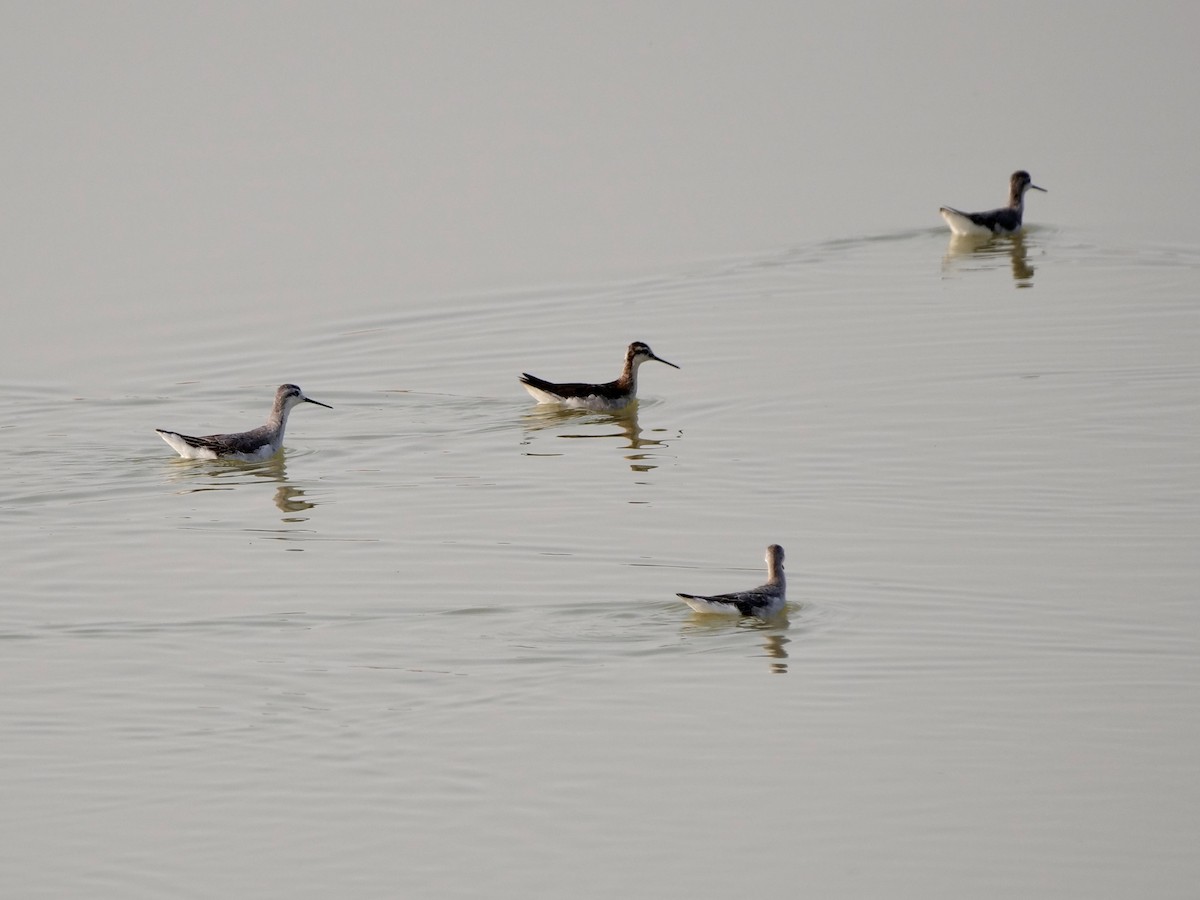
[433,649]
[211,153]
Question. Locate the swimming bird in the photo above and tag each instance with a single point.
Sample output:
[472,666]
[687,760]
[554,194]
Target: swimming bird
[1006,220]
[249,446]
[763,601]
[611,395]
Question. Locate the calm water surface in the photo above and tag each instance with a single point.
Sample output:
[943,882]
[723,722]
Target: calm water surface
[435,645]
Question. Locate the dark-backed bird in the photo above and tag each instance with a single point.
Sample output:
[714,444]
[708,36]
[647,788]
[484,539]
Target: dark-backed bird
[1005,220]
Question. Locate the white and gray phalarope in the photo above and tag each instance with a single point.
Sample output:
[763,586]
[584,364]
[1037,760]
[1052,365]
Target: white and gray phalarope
[611,395]
[763,601]
[1005,220]
[249,446]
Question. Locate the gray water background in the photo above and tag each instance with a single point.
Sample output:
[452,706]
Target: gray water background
[434,649]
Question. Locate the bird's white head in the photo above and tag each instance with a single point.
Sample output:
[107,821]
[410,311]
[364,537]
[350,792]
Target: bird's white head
[289,395]
[640,352]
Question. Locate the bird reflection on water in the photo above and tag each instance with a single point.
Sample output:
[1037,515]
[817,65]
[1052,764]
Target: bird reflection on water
[773,632]
[971,253]
[230,475]
[585,424]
